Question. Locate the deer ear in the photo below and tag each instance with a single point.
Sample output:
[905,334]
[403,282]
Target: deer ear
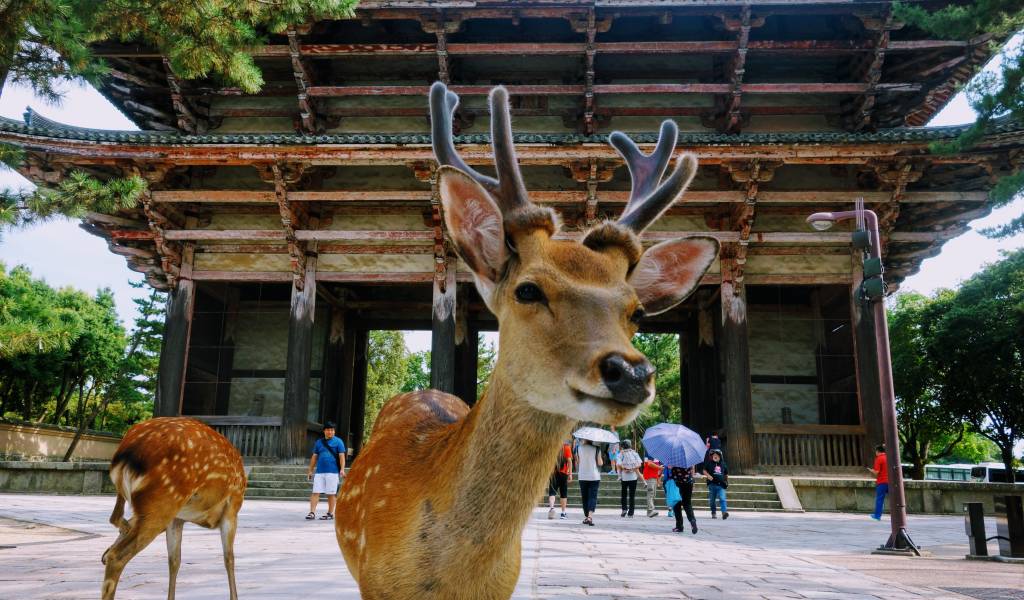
[670,271]
[475,224]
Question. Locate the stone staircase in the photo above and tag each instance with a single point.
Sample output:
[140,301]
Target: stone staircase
[288,482]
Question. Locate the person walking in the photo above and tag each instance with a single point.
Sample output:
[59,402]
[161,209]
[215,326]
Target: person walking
[881,472]
[590,463]
[629,472]
[614,454]
[329,462]
[717,475]
[683,478]
[651,474]
[560,480]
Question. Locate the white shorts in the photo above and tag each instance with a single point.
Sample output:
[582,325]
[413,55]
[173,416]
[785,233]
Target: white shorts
[325,483]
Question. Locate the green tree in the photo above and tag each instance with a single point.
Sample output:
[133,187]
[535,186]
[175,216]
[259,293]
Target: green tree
[990,95]
[927,433]
[385,373]
[662,349]
[417,372]
[486,358]
[973,448]
[977,344]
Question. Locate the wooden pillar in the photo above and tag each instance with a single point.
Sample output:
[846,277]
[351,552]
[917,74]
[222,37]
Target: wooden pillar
[735,354]
[362,345]
[174,347]
[442,340]
[294,414]
[330,378]
[226,350]
[346,375]
[869,393]
[702,405]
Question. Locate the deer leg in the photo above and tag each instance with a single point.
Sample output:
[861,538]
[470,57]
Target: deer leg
[117,517]
[228,525]
[173,554]
[130,543]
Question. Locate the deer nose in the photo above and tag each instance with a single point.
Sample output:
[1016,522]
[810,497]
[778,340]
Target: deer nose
[626,381]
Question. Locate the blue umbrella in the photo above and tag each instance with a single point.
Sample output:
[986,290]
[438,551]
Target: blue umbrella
[674,445]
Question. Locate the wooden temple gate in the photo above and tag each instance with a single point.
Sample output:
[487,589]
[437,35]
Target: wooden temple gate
[289,224]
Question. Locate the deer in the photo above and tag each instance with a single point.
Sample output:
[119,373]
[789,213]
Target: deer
[170,470]
[436,503]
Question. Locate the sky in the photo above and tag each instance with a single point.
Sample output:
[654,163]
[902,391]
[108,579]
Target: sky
[65,255]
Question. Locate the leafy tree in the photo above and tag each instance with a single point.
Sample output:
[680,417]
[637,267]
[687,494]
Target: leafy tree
[486,358]
[927,433]
[385,373]
[973,448]
[417,372]
[977,344]
[991,96]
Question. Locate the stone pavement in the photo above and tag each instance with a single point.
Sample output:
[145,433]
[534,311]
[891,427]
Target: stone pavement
[57,542]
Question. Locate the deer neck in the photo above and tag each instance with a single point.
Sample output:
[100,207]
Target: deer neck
[510,452]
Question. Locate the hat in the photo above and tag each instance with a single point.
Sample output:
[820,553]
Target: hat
[329,425]
[716,451]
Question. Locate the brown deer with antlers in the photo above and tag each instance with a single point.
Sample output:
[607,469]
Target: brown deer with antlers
[436,503]
[171,470]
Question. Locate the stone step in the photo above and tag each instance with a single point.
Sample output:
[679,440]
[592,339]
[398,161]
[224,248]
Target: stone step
[290,477]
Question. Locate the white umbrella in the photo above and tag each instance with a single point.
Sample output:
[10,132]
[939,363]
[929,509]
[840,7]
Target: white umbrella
[595,434]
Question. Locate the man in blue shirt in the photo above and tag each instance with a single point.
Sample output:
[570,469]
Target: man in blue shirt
[329,462]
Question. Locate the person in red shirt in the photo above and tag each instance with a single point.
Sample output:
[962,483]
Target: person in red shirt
[560,480]
[651,474]
[881,472]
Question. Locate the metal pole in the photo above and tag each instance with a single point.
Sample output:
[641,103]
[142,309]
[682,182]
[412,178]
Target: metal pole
[899,538]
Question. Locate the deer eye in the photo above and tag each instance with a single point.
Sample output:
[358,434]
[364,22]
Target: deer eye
[529,293]
[637,316]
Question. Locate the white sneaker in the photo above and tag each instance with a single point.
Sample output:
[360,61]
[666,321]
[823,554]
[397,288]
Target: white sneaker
[551,513]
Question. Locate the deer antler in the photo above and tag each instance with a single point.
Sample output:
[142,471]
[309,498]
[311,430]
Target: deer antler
[508,189]
[649,200]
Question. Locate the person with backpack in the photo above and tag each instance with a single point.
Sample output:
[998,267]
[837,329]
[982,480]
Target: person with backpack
[329,462]
[629,471]
[717,475]
[590,463]
[651,474]
[560,480]
[683,478]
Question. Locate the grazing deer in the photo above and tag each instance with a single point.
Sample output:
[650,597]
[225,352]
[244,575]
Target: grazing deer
[171,470]
[436,503]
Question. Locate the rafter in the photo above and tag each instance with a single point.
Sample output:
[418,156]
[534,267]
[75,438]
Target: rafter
[860,116]
[303,80]
[186,117]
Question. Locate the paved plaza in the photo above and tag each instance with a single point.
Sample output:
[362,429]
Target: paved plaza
[50,547]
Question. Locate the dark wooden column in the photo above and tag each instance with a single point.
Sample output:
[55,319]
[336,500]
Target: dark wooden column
[174,347]
[346,375]
[868,391]
[294,415]
[442,340]
[702,405]
[362,345]
[226,351]
[735,355]
[330,378]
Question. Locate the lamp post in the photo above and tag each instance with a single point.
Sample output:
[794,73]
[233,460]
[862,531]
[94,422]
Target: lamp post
[873,291]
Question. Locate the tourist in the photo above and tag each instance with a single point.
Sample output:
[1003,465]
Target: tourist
[651,474]
[590,463]
[629,471]
[614,454]
[881,472]
[717,475]
[712,442]
[329,462]
[683,478]
[560,480]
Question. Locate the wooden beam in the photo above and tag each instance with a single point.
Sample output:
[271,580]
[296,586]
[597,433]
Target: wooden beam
[186,117]
[303,80]
[732,119]
[734,349]
[861,115]
[174,348]
[565,197]
[442,338]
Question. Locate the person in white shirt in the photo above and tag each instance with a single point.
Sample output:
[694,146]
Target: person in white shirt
[629,472]
[590,463]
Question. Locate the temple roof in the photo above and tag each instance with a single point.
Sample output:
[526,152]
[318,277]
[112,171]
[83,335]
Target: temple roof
[36,125]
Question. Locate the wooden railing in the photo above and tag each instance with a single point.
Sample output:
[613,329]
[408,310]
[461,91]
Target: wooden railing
[255,437]
[809,445]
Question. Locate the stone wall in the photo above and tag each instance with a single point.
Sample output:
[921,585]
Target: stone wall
[55,478]
[923,497]
[32,442]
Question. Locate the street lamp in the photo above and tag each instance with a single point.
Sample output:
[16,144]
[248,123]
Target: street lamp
[872,291]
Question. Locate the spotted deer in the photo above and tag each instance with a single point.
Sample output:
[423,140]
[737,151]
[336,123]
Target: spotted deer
[170,470]
[435,505]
